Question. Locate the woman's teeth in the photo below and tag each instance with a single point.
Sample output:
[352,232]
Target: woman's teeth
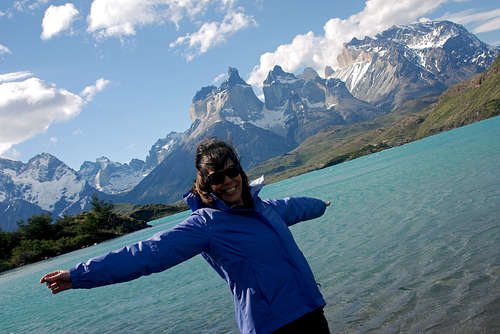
[230,190]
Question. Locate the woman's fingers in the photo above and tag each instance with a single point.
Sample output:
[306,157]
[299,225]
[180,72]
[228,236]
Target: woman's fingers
[51,277]
[59,286]
[46,277]
[56,275]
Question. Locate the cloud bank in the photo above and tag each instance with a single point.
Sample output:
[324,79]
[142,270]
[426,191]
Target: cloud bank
[118,18]
[57,19]
[28,106]
[121,18]
[320,51]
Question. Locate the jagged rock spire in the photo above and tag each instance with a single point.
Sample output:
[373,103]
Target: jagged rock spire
[277,74]
[233,78]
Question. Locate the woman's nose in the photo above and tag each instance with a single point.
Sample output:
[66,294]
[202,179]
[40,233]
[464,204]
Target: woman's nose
[227,179]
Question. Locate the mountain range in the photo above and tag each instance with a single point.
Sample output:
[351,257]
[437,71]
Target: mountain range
[461,104]
[403,68]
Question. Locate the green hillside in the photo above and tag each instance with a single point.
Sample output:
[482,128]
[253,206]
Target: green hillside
[465,103]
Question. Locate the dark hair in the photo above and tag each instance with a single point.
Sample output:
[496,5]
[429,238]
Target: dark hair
[212,154]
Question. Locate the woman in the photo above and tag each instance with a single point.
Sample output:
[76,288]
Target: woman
[245,239]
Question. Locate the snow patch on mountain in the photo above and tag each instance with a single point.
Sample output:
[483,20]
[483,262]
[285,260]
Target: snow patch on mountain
[313,105]
[355,73]
[283,80]
[46,194]
[435,38]
[271,118]
[235,120]
[97,183]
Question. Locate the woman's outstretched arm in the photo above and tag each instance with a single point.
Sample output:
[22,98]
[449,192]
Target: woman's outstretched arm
[160,252]
[296,209]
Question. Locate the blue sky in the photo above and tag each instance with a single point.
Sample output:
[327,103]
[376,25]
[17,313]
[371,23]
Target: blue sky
[85,79]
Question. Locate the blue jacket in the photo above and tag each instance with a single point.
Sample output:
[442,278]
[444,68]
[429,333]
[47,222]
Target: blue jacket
[252,250]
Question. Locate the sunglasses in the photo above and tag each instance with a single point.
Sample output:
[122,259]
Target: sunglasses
[219,176]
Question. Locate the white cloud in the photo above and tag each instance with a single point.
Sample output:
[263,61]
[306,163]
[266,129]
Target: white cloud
[490,25]
[36,4]
[89,92]
[11,154]
[77,132]
[21,5]
[57,19]
[15,76]
[218,78]
[319,51]
[471,16]
[214,33]
[118,18]
[4,50]
[53,140]
[30,106]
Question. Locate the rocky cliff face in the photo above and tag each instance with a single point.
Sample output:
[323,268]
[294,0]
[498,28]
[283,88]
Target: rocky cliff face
[161,149]
[407,62]
[297,107]
[234,101]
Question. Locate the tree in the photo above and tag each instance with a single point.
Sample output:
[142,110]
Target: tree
[38,228]
[8,240]
[102,210]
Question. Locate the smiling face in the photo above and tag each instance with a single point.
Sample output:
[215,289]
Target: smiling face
[230,189]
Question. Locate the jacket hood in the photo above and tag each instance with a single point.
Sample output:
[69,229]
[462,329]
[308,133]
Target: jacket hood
[194,201]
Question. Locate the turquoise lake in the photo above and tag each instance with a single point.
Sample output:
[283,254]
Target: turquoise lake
[411,244]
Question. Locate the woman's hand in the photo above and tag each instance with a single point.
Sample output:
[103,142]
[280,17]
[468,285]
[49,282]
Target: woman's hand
[57,281]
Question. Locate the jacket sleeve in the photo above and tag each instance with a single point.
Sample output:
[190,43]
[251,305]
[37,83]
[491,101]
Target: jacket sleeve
[162,251]
[296,209]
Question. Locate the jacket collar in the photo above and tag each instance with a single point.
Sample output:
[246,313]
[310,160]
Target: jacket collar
[194,201]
